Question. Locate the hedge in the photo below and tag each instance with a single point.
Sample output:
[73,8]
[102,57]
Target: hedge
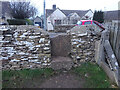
[16,22]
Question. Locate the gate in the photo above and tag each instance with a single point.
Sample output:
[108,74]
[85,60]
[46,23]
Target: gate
[60,45]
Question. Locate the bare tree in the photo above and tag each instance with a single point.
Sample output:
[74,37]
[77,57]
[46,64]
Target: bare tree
[22,10]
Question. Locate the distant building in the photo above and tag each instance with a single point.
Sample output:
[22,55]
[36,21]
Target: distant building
[112,16]
[38,21]
[57,16]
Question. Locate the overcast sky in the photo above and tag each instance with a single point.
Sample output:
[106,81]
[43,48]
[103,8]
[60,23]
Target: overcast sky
[106,5]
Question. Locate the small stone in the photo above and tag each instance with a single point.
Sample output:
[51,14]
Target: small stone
[86,75]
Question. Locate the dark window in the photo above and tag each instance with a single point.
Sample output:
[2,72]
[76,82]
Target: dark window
[74,21]
[38,23]
[57,22]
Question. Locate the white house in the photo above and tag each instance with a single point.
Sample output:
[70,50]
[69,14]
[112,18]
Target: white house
[88,15]
[72,18]
[38,21]
[57,16]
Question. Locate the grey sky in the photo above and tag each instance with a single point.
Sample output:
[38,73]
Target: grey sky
[78,4]
[106,5]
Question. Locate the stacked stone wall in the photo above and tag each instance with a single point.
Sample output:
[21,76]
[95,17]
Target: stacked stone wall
[24,47]
[63,28]
[83,44]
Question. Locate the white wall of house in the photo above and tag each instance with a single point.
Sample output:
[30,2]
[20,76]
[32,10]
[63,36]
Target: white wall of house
[56,15]
[89,14]
[71,19]
[74,17]
[49,25]
[59,15]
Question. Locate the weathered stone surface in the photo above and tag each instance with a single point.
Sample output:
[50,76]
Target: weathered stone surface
[30,47]
[60,45]
[63,28]
[24,47]
[83,43]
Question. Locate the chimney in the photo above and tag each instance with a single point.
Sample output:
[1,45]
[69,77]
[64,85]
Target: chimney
[54,7]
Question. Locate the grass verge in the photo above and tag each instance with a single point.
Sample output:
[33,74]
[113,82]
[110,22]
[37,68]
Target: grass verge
[95,77]
[24,78]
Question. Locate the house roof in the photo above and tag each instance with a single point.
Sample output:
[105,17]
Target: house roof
[68,12]
[79,12]
[37,17]
[112,15]
[49,12]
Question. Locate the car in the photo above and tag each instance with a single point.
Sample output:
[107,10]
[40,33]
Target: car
[37,25]
[88,22]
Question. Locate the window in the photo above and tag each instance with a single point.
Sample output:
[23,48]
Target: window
[74,21]
[39,23]
[57,22]
[87,23]
[48,22]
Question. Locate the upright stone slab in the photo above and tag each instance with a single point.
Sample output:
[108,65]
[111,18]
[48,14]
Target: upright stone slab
[60,45]
[60,50]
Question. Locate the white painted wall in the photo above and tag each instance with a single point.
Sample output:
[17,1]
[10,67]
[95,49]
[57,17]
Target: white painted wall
[90,14]
[49,25]
[75,15]
[56,15]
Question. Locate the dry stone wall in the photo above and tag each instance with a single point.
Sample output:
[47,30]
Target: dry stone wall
[24,47]
[63,28]
[83,43]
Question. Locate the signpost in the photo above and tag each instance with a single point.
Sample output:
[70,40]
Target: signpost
[44,16]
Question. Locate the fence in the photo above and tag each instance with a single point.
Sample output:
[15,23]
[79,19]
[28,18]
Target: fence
[115,39]
[106,58]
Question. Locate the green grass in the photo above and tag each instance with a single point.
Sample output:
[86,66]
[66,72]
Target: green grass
[96,77]
[16,78]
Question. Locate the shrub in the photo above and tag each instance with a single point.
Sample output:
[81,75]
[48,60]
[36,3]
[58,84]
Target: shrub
[99,16]
[29,22]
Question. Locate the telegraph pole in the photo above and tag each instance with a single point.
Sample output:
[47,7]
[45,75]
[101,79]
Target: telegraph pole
[44,17]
